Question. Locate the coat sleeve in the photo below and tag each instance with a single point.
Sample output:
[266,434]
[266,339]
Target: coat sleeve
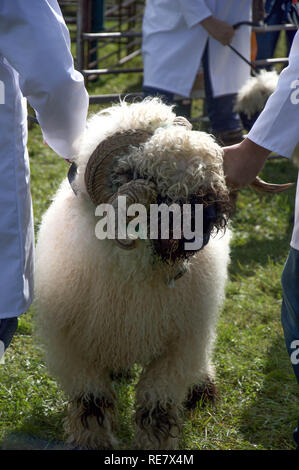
[194,11]
[35,41]
[277,127]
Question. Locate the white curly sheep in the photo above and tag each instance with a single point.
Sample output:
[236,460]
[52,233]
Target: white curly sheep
[253,95]
[104,305]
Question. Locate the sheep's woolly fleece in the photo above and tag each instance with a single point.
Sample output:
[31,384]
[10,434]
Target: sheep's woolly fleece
[252,97]
[101,308]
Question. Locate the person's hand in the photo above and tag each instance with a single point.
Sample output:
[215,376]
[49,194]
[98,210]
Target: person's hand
[220,30]
[243,162]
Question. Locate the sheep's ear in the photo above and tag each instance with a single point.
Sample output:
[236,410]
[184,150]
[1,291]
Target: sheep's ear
[72,174]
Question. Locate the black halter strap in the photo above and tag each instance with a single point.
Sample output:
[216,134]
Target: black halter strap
[71,175]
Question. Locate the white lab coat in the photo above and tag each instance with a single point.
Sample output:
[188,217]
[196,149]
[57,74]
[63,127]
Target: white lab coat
[174,42]
[277,128]
[35,63]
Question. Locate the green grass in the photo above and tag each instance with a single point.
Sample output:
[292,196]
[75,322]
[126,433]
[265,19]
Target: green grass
[258,404]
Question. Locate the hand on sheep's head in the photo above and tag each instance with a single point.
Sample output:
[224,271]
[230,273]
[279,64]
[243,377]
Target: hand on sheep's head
[243,162]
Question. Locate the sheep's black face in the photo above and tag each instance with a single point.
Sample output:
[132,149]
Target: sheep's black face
[172,249]
[171,243]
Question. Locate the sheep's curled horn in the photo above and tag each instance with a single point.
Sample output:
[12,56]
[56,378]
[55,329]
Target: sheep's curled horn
[137,191]
[101,163]
[261,185]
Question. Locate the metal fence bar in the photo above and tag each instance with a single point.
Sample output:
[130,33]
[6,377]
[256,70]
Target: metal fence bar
[272,28]
[114,97]
[130,97]
[138,16]
[123,11]
[110,71]
[108,35]
[129,57]
[123,59]
[118,7]
[282,60]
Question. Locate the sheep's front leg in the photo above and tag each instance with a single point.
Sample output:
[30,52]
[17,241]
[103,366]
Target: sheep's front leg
[158,426]
[160,393]
[163,389]
[91,421]
[158,405]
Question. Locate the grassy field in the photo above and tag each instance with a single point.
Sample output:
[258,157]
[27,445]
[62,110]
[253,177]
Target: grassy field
[259,400]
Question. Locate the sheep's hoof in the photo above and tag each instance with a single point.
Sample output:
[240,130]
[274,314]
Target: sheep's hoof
[201,394]
[158,428]
[90,423]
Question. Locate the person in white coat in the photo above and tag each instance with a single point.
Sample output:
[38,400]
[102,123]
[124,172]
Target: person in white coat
[276,129]
[179,35]
[35,63]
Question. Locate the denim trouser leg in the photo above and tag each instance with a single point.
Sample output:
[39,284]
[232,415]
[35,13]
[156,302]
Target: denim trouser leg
[290,308]
[296,435]
[220,109]
[290,314]
[8,328]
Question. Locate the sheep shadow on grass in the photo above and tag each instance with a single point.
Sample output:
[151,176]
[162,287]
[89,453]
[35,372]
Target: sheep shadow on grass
[34,433]
[41,431]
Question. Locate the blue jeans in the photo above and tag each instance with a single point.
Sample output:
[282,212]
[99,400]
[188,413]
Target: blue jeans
[296,435]
[290,308]
[266,42]
[8,328]
[219,109]
[290,314]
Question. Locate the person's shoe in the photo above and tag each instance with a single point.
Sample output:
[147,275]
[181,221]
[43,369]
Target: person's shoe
[8,328]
